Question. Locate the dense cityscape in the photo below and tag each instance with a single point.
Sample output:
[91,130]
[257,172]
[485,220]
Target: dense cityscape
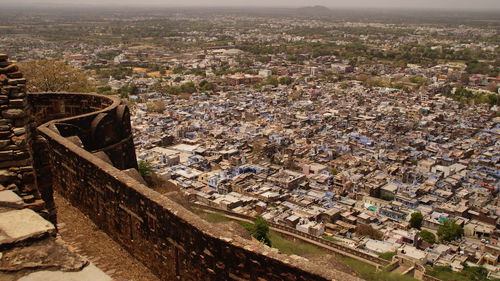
[378,133]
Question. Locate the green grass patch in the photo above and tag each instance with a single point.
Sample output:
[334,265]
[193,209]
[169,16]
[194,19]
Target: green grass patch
[387,255]
[369,273]
[247,225]
[293,247]
[212,217]
[468,274]
[330,238]
[286,246]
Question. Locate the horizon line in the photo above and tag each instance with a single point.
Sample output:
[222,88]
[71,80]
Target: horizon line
[57,5]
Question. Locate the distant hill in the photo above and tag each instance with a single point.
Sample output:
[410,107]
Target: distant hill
[314,10]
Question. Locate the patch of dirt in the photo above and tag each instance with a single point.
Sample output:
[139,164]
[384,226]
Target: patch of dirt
[83,236]
[329,261]
[235,228]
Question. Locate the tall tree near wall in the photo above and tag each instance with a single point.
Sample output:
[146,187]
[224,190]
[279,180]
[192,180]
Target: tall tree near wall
[54,76]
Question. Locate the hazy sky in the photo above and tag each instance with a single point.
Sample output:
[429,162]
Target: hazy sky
[403,4]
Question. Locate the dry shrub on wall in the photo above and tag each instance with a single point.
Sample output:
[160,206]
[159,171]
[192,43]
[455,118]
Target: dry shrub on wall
[54,76]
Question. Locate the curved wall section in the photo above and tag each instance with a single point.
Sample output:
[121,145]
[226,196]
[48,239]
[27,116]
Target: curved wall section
[102,123]
[171,241]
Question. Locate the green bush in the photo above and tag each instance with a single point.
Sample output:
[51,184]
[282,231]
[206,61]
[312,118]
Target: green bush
[427,236]
[261,230]
[416,220]
[450,231]
[144,168]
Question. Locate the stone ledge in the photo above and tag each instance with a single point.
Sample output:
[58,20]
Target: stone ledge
[10,199]
[20,225]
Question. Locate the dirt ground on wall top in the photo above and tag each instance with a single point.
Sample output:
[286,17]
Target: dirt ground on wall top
[80,233]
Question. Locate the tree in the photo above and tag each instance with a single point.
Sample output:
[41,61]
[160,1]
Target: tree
[206,86]
[157,106]
[129,89]
[188,87]
[272,80]
[427,236]
[416,220]
[492,87]
[464,78]
[54,76]
[285,80]
[366,230]
[261,230]
[449,231]
[144,168]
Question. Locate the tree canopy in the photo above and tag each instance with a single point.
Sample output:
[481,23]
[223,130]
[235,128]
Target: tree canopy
[427,236]
[54,76]
[416,220]
[450,231]
[261,230]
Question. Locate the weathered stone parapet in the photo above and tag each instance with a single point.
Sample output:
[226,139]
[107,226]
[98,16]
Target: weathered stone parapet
[170,240]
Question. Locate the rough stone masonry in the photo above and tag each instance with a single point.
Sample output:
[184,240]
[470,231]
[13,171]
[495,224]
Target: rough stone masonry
[16,171]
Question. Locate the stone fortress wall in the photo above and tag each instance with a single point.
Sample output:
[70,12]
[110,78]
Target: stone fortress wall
[82,147]
[16,170]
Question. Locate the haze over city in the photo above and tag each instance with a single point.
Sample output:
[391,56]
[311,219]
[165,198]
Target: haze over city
[250,140]
[360,4]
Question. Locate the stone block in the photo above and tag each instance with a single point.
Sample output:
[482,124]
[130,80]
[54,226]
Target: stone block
[17,81]
[6,155]
[89,273]
[4,99]
[19,140]
[5,121]
[21,155]
[11,147]
[37,205]
[5,134]
[8,69]
[28,225]
[4,57]
[18,94]
[13,113]
[29,177]
[10,199]
[17,102]
[16,75]
[29,198]
[19,131]
[4,143]
[7,176]
[26,169]
[18,163]
[4,127]
[12,186]
[20,122]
